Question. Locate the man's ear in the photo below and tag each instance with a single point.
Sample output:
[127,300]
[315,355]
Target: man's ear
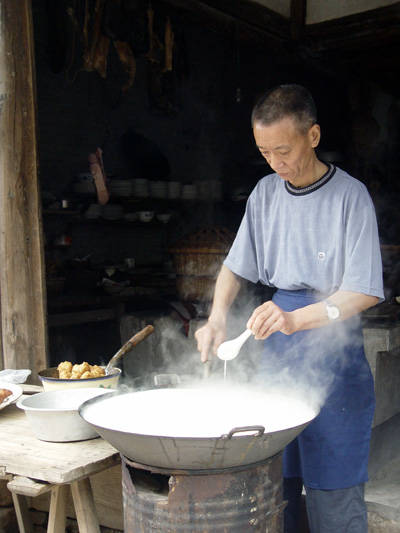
[314,134]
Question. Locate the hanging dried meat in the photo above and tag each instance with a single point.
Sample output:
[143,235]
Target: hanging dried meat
[101,54]
[128,60]
[96,48]
[159,68]
[123,21]
[169,44]
[126,21]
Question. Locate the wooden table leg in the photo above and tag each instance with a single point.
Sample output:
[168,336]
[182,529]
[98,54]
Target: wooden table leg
[21,510]
[85,509]
[58,509]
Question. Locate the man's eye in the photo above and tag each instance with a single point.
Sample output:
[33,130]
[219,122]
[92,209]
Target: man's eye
[284,153]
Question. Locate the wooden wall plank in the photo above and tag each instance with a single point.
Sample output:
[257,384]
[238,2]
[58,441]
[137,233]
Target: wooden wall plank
[22,271]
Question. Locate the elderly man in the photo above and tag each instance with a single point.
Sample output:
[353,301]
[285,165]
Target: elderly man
[309,231]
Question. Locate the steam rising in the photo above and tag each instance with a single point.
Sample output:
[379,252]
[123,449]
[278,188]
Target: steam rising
[306,373]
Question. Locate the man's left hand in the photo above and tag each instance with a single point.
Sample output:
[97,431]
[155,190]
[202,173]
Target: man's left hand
[269,318]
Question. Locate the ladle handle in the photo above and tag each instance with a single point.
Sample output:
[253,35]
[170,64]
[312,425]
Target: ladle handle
[133,341]
[143,333]
[245,335]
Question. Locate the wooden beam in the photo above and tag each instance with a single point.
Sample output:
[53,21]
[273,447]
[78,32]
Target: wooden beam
[240,20]
[325,46]
[82,317]
[22,272]
[297,18]
[252,13]
[369,29]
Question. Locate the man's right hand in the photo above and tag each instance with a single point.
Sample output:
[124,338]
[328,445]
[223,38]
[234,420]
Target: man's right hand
[209,336]
[213,333]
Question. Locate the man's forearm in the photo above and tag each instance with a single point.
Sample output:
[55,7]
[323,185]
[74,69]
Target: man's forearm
[227,288]
[349,304]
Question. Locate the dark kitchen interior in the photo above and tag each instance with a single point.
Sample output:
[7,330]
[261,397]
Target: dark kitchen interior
[174,109]
[196,117]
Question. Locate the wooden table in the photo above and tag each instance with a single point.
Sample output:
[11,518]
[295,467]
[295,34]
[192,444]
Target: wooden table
[34,466]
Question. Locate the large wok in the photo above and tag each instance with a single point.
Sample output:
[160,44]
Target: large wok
[197,429]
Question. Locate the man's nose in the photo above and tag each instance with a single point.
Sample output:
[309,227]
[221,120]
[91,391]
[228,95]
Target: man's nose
[275,161]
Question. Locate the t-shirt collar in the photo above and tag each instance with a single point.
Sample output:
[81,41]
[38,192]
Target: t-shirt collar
[300,191]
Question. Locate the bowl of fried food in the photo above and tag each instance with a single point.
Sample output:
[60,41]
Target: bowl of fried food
[69,376]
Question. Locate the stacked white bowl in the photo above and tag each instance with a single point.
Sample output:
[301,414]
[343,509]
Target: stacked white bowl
[203,190]
[141,188]
[174,190]
[158,189]
[94,211]
[189,192]
[121,188]
[84,184]
[215,189]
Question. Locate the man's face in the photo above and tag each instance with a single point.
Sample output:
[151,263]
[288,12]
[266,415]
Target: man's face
[288,152]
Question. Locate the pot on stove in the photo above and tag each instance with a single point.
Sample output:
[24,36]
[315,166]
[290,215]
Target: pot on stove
[206,428]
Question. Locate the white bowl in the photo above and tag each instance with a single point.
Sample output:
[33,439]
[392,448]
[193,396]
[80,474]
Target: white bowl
[16,393]
[113,289]
[50,382]
[94,211]
[145,216]
[54,416]
[130,217]
[164,217]
[84,187]
[129,262]
[85,177]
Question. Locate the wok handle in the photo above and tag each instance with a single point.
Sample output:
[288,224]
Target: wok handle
[259,429]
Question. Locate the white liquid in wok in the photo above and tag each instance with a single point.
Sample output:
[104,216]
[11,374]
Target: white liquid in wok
[197,413]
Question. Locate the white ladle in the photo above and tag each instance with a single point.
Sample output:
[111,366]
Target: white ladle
[228,350]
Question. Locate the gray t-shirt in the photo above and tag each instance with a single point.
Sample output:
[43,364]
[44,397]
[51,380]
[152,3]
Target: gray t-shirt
[323,237]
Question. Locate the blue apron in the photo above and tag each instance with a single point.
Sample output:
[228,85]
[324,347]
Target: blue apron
[332,452]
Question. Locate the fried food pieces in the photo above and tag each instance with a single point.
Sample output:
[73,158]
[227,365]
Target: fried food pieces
[4,393]
[83,371]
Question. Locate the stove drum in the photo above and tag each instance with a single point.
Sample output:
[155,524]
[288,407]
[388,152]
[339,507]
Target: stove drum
[245,499]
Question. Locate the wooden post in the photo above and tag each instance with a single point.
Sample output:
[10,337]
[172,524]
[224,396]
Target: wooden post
[22,271]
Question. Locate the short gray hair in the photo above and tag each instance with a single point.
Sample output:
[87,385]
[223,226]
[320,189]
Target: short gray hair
[294,101]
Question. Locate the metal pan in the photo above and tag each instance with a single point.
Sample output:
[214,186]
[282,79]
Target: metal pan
[197,429]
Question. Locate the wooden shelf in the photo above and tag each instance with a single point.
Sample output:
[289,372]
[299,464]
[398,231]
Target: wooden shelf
[61,212]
